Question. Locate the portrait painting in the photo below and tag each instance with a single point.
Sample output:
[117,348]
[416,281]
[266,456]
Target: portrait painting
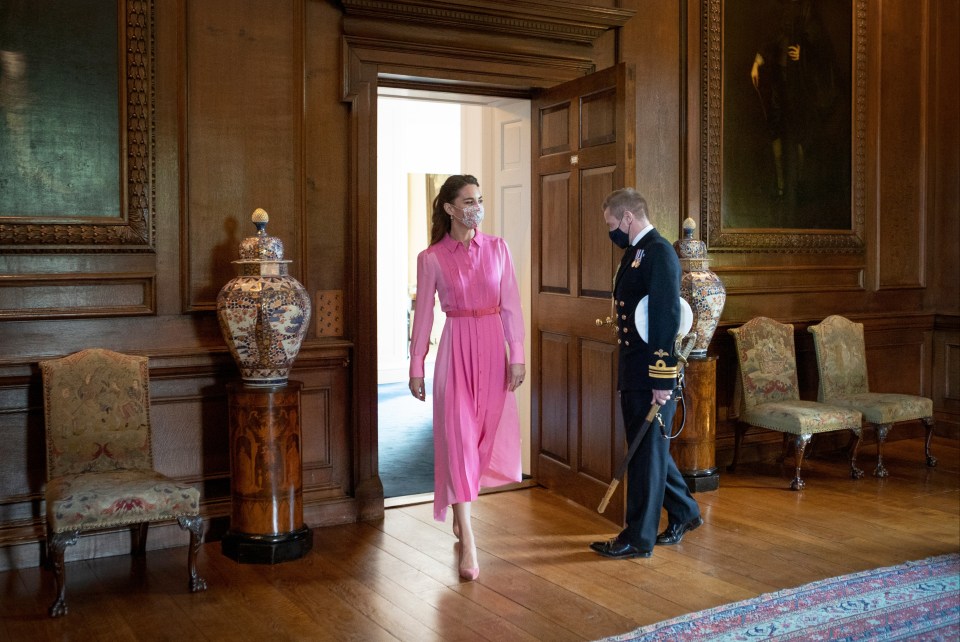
[782,111]
[60,99]
[75,124]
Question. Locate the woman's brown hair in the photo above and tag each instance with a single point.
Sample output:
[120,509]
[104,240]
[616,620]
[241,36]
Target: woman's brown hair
[448,194]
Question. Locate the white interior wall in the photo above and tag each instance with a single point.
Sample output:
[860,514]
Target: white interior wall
[414,137]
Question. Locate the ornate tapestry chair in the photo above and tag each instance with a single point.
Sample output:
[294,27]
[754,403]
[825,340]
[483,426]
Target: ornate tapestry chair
[769,394]
[100,462]
[842,366]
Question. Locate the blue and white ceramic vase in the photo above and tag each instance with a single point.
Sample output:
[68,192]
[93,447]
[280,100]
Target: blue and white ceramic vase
[263,311]
[702,289]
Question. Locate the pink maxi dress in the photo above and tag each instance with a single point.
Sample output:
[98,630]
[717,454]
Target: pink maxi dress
[476,427]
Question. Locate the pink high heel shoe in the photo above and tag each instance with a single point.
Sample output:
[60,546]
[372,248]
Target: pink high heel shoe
[468,574]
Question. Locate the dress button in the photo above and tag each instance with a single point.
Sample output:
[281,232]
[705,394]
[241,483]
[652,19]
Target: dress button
[627,342]
[623,316]
[625,330]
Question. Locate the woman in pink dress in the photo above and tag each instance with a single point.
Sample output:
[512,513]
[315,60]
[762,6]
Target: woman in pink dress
[476,428]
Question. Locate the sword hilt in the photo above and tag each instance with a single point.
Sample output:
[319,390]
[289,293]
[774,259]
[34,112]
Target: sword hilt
[683,346]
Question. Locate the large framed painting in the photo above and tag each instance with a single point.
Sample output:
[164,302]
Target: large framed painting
[76,125]
[783,124]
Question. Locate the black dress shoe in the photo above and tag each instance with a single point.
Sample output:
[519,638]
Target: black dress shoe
[618,550]
[674,532]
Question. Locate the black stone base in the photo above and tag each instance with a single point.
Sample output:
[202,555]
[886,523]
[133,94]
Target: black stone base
[266,549]
[701,481]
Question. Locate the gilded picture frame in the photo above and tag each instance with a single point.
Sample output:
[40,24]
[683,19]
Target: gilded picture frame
[783,154]
[124,223]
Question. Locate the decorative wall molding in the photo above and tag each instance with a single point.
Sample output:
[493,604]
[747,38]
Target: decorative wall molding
[551,20]
[792,278]
[401,64]
[53,296]
[493,47]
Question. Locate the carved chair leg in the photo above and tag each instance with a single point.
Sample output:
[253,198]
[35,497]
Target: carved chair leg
[882,430]
[56,544]
[800,446]
[855,438]
[931,460]
[140,539]
[738,431]
[194,524]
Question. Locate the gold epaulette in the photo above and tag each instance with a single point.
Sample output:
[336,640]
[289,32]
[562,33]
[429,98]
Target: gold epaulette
[660,370]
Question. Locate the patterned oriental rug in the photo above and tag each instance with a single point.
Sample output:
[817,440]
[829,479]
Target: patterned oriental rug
[912,601]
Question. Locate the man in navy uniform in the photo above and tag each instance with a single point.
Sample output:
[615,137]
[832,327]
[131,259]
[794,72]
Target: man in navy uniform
[647,374]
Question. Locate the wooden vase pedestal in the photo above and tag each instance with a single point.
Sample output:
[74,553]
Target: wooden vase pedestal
[266,478]
[695,449]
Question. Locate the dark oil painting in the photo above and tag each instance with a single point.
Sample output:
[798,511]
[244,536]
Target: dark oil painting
[60,145]
[787,74]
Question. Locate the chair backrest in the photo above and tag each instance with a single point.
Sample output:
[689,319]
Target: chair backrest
[841,357]
[767,362]
[97,408]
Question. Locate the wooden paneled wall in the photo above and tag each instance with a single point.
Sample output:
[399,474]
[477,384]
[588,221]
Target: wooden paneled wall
[253,106]
[245,114]
[189,420]
[901,285]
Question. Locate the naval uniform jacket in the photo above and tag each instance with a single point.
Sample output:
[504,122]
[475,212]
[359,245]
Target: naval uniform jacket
[649,268]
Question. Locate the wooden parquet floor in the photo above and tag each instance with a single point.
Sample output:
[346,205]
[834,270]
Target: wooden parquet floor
[397,579]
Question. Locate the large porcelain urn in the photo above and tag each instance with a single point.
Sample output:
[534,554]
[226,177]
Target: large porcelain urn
[702,289]
[263,311]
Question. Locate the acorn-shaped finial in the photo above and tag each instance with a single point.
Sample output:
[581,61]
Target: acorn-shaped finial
[260,218]
[689,225]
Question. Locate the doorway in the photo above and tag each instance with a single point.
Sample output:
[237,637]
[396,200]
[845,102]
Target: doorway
[423,137]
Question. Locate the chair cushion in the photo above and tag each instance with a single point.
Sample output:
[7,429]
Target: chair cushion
[799,417]
[116,498]
[887,408]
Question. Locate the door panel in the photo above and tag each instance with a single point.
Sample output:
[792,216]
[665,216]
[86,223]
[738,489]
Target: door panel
[598,408]
[554,358]
[554,240]
[582,142]
[595,184]
[507,190]
[554,129]
[597,114]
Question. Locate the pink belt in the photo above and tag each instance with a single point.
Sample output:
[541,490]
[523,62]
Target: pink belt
[474,313]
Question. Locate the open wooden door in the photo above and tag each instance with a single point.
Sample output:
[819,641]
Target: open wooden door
[583,137]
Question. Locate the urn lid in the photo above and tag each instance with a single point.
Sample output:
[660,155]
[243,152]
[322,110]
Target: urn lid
[689,247]
[261,247]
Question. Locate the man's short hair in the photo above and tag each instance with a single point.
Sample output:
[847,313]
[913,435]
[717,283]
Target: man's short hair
[623,200]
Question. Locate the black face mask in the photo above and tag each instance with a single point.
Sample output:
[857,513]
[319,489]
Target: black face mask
[620,238]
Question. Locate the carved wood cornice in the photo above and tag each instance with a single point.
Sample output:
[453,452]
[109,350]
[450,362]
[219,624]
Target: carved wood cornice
[551,20]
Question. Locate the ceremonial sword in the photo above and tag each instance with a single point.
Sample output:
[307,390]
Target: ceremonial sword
[682,351]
